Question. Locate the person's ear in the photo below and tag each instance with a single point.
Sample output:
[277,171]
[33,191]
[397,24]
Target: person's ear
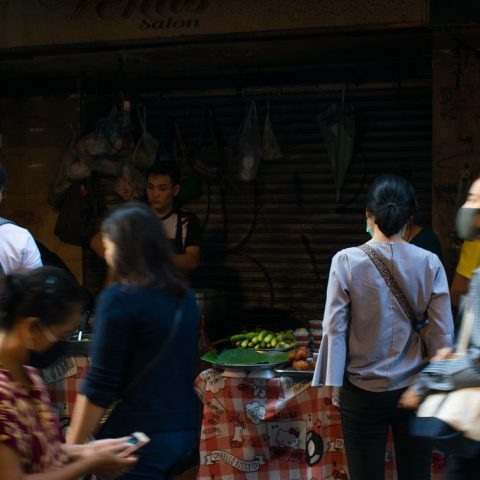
[28,329]
[176,190]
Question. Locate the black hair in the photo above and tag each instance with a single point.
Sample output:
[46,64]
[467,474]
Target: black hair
[48,293]
[165,168]
[3,175]
[392,201]
[143,254]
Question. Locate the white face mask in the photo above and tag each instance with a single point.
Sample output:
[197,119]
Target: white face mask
[369,229]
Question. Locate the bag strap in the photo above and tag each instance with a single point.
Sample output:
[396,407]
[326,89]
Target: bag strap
[142,116]
[392,284]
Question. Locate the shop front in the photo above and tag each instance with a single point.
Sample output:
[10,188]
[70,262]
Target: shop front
[207,81]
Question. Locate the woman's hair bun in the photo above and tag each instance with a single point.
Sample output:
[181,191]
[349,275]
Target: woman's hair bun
[392,201]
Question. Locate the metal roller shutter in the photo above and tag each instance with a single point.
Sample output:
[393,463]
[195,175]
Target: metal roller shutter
[296,205]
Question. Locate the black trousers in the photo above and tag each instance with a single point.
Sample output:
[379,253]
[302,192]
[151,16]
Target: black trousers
[459,468]
[366,419]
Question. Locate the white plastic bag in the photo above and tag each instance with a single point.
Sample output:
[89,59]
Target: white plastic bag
[145,151]
[249,145]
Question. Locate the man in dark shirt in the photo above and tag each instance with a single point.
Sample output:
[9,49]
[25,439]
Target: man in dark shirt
[182,227]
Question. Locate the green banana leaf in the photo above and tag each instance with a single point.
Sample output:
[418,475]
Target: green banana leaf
[242,356]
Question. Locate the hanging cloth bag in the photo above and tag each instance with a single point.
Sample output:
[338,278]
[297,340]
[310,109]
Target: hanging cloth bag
[145,151]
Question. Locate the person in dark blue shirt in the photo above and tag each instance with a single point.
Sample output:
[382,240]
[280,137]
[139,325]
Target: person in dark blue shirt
[147,308]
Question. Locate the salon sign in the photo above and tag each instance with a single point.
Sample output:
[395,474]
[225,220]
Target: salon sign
[54,22]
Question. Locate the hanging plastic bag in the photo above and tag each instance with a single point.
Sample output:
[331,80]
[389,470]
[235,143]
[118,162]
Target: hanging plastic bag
[271,149]
[209,158]
[130,184]
[62,182]
[72,167]
[99,140]
[105,165]
[145,151]
[111,135]
[78,169]
[249,145]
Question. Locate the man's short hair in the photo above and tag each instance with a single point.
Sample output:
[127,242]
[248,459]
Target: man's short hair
[165,168]
[3,175]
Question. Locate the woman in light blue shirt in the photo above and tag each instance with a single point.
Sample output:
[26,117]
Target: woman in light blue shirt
[369,347]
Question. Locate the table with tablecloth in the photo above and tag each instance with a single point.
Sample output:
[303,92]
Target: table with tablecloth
[278,428]
[63,380]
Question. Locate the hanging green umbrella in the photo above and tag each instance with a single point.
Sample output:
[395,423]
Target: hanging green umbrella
[337,124]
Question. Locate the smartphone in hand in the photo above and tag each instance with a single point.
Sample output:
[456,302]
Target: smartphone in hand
[136,441]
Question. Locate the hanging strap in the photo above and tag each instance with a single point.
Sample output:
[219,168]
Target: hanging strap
[142,116]
[392,285]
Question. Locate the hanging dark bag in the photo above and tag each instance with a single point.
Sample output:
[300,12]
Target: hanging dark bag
[79,213]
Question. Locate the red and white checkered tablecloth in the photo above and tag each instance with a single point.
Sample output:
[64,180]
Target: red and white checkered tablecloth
[63,383]
[279,428]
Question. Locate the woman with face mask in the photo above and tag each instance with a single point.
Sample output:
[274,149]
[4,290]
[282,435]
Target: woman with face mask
[38,308]
[369,347]
[147,316]
[444,373]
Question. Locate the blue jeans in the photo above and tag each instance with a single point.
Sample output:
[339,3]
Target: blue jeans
[164,456]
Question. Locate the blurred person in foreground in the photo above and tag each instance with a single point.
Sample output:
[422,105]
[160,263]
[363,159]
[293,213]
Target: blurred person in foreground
[18,250]
[134,318]
[369,347]
[39,308]
[455,372]
[468,262]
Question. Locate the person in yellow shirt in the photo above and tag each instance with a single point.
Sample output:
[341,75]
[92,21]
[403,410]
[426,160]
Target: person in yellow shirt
[468,262]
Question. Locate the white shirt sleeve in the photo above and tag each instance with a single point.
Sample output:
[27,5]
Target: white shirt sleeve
[31,256]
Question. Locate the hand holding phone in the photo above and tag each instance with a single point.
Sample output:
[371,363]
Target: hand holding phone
[134,442]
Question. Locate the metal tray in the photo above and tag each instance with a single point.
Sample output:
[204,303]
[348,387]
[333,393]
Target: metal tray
[272,350]
[256,366]
[290,372]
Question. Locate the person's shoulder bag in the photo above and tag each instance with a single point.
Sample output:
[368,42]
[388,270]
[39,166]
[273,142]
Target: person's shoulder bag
[397,292]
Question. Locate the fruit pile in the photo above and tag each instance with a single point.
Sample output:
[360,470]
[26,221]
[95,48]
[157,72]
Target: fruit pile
[302,359]
[264,339]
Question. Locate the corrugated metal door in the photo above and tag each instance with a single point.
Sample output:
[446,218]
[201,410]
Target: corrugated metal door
[270,243]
